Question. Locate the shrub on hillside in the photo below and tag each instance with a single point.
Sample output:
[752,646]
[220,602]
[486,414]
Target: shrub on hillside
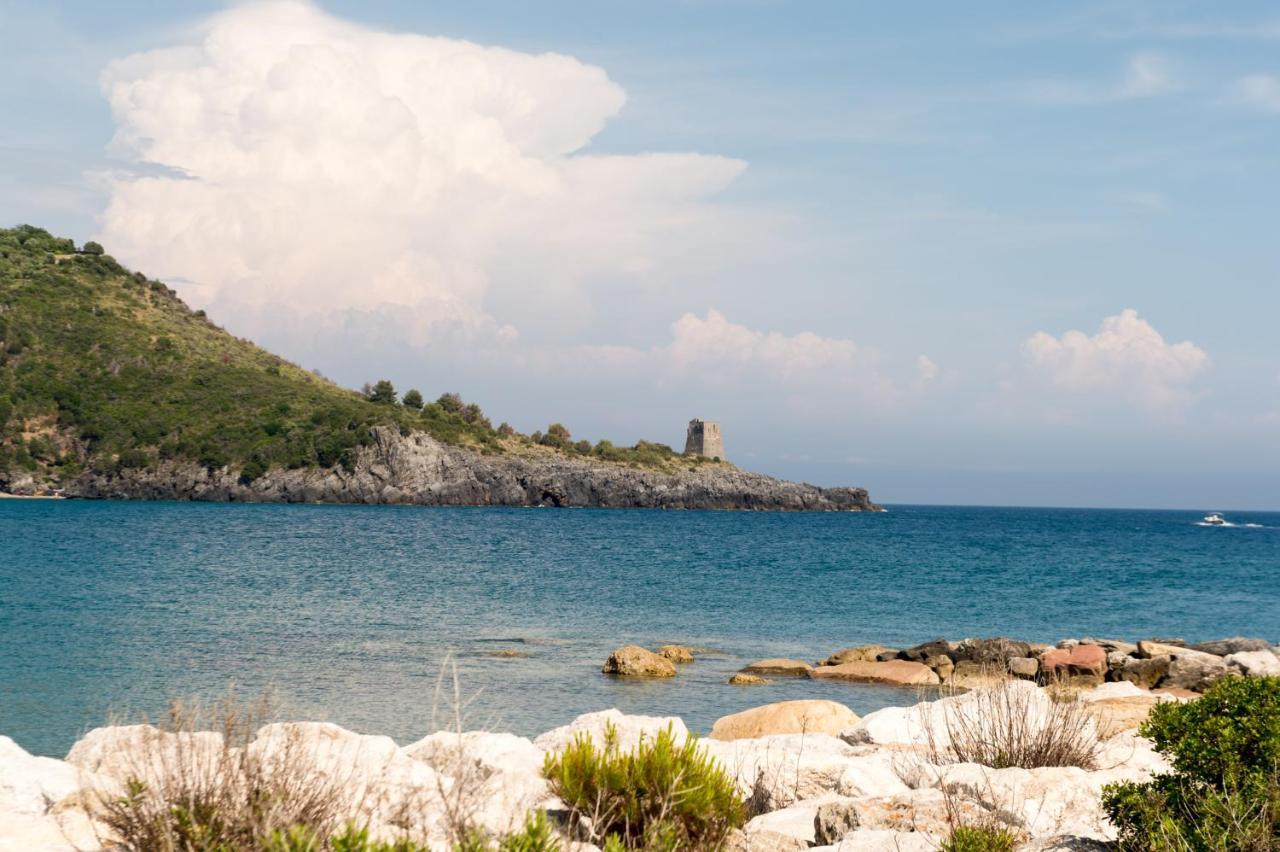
[381,392]
[412,399]
[92,248]
[658,796]
[1224,791]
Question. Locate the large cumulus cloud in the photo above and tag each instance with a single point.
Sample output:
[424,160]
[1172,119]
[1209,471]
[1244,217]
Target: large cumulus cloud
[307,172]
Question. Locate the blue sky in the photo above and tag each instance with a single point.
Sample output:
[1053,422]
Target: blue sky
[873,212]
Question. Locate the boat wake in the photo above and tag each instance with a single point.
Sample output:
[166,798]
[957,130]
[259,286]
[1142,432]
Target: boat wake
[1229,524]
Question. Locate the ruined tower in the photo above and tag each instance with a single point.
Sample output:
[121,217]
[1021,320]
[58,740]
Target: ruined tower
[703,439]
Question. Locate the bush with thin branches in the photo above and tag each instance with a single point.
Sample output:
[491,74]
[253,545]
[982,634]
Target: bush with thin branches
[187,790]
[1011,724]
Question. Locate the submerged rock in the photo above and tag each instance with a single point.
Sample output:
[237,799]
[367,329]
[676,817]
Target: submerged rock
[858,654]
[676,653]
[779,666]
[745,679]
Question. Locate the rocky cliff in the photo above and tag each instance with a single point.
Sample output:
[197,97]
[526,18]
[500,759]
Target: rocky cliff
[415,468]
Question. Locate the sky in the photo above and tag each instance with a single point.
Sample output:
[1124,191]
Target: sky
[1002,253]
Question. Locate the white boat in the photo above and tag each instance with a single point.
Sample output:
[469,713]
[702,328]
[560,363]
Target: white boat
[1214,519]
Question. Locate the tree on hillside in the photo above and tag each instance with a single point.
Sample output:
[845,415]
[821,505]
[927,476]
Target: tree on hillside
[92,248]
[412,399]
[382,392]
[450,402]
[558,431]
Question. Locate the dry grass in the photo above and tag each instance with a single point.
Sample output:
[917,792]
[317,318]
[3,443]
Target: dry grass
[192,783]
[1009,724]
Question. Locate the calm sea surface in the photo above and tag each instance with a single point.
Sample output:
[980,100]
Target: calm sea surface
[349,612]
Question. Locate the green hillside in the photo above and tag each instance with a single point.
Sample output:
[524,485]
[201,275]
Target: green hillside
[103,367]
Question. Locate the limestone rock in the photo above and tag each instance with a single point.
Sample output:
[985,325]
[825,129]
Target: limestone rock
[785,717]
[744,679]
[1145,673]
[1234,645]
[629,730]
[897,672]
[1254,663]
[942,666]
[778,666]
[883,840]
[833,820]
[1194,670]
[1024,667]
[995,651]
[969,674]
[1112,645]
[634,661]
[858,654]
[416,468]
[676,653]
[1148,648]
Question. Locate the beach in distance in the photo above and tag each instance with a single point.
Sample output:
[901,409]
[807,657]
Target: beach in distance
[349,613]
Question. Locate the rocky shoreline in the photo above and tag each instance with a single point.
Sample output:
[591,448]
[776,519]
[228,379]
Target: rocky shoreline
[813,773]
[1168,665]
[416,469]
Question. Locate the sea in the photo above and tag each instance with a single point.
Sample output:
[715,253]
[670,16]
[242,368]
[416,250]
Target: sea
[403,620]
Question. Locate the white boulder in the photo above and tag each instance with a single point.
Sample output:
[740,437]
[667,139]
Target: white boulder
[630,730]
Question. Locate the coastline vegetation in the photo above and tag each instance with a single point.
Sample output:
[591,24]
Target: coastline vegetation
[1224,790]
[105,369]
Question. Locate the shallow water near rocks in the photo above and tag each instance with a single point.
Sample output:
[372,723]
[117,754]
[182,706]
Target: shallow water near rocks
[349,612]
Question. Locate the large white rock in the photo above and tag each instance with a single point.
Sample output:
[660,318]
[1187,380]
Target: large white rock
[630,729]
[928,725]
[883,840]
[39,799]
[31,785]
[496,778]
[26,832]
[794,821]
[146,752]
[1255,663]
[789,768]
[489,752]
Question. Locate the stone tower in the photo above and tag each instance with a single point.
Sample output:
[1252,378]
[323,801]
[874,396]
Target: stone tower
[703,439]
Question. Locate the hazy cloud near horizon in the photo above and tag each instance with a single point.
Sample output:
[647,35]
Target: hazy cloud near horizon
[1014,250]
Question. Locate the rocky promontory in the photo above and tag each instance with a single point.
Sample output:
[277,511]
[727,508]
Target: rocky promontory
[415,468]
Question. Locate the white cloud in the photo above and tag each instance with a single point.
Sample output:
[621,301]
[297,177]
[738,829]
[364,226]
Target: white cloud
[1146,75]
[1127,354]
[926,369]
[715,342]
[1257,91]
[314,170]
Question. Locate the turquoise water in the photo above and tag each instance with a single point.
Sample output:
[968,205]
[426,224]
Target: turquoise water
[349,612]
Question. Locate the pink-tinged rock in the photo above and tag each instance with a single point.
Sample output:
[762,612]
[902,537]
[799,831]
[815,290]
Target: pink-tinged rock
[1079,660]
[898,672]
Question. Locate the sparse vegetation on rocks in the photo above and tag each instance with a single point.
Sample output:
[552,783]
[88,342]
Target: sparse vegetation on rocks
[661,795]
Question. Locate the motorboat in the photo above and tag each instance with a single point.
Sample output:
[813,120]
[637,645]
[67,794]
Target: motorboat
[1215,519]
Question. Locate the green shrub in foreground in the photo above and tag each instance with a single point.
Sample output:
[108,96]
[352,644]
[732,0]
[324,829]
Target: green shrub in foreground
[968,838]
[659,796]
[1224,791]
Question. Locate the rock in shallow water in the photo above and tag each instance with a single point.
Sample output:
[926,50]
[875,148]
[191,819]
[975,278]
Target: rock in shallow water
[778,666]
[785,717]
[634,661]
[897,672]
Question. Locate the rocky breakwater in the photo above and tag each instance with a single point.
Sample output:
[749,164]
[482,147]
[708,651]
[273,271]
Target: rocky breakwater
[415,468]
[812,774]
[1163,665]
